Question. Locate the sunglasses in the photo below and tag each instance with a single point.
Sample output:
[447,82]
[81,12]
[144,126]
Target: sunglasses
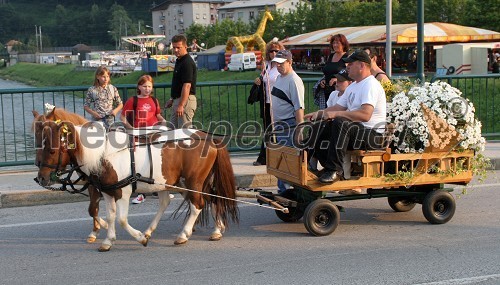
[273,50]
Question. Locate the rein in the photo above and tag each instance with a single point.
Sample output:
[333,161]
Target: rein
[285,210]
[67,180]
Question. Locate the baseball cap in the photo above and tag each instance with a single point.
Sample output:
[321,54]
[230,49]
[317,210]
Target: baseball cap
[358,55]
[343,76]
[282,56]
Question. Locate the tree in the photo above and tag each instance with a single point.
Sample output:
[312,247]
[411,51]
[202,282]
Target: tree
[319,15]
[482,14]
[447,11]
[196,31]
[120,24]
[8,19]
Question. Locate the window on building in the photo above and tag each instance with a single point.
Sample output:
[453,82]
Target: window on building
[223,15]
[197,16]
[230,15]
[252,15]
[204,16]
[240,15]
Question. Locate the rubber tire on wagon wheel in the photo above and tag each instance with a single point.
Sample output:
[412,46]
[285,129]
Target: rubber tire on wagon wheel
[321,217]
[438,207]
[294,214]
[401,204]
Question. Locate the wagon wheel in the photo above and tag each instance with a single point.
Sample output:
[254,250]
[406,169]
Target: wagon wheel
[438,207]
[294,214]
[401,204]
[321,217]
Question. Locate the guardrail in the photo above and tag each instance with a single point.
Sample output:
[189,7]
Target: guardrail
[484,92]
[221,105]
[222,108]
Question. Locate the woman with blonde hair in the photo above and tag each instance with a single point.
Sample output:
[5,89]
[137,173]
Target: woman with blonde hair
[266,81]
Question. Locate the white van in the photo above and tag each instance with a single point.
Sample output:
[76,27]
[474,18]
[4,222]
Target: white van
[242,61]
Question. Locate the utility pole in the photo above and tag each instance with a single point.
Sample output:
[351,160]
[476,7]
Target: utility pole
[41,46]
[420,41]
[388,38]
[36,37]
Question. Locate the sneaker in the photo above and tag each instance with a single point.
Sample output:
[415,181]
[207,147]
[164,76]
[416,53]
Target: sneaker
[139,199]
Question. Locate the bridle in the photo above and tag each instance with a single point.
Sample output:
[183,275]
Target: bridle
[65,181]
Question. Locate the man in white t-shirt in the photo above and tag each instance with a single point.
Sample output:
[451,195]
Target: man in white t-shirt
[357,121]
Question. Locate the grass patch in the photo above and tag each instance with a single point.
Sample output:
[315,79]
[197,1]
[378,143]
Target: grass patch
[44,75]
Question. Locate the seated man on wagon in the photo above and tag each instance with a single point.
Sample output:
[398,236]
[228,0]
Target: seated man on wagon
[357,121]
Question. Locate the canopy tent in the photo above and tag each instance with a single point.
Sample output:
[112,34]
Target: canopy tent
[402,34]
[144,40]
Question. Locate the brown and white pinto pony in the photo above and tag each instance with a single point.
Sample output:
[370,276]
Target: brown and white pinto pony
[58,114]
[105,157]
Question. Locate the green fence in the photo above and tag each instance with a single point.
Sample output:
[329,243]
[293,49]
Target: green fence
[221,105]
[222,108]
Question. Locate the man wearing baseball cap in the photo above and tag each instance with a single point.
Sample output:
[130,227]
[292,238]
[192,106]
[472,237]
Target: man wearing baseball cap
[287,102]
[357,121]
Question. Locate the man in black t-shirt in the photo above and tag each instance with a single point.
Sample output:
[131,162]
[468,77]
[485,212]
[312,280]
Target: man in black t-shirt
[183,99]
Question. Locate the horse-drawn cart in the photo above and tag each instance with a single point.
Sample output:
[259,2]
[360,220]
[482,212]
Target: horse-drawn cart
[404,179]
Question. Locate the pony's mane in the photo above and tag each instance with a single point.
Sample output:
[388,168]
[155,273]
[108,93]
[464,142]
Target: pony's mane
[66,116]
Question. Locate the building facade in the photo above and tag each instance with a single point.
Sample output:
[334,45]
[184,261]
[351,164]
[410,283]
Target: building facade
[248,10]
[174,17]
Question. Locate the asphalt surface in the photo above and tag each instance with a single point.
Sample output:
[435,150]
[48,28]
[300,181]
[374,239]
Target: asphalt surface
[17,187]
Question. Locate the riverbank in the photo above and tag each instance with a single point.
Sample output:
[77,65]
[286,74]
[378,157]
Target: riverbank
[44,75]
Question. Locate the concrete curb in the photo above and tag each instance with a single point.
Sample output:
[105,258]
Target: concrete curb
[23,198]
[46,197]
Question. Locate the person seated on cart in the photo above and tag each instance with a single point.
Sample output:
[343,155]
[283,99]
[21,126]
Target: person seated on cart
[357,121]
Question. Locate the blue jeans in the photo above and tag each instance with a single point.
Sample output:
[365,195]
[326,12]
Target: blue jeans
[284,135]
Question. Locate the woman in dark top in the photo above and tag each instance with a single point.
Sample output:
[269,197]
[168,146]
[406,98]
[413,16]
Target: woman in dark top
[334,64]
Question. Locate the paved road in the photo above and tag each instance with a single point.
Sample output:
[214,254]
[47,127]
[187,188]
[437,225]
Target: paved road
[372,245]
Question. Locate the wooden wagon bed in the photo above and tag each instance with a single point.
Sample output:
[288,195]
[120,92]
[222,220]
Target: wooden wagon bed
[404,179]
[290,164]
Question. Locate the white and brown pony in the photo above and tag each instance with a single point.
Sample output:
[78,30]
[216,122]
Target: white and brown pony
[106,158]
[58,114]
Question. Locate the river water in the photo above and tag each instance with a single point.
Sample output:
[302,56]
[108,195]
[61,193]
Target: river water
[16,139]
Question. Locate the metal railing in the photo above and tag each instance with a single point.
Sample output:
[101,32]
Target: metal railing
[484,92]
[220,105]
[222,108]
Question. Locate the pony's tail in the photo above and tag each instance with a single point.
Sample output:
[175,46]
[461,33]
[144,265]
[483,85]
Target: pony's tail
[225,186]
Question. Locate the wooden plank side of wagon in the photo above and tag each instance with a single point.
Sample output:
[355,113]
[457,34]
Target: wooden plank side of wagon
[290,164]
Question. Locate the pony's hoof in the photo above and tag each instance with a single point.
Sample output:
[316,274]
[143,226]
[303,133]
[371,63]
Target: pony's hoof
[215,237]
[104,248]
[180,241]
[145,241]
[91,239]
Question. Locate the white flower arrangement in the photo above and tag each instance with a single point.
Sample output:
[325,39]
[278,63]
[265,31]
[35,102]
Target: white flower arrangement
[48,108]
[446,105]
